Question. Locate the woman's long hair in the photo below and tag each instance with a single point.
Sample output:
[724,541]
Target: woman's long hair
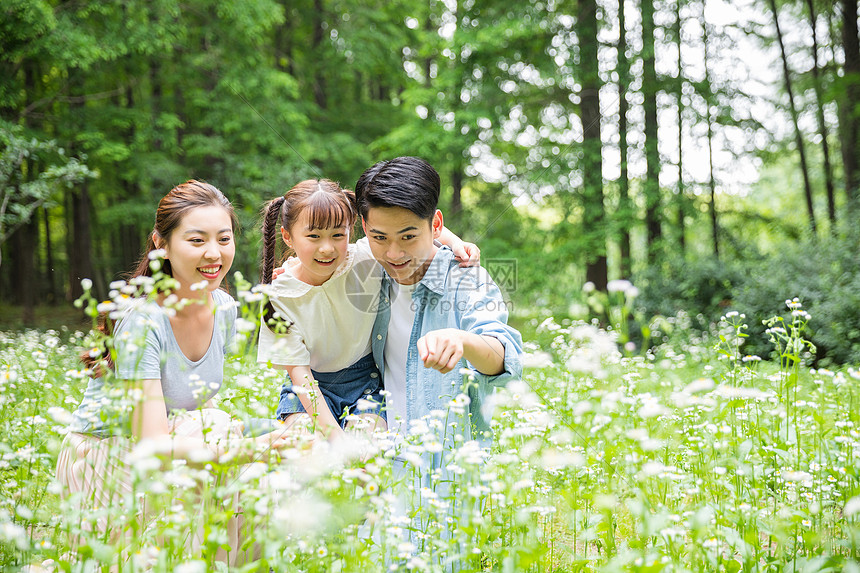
[171,209]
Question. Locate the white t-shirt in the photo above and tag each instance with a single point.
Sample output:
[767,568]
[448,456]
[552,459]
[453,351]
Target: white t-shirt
[397,351]
[332,322]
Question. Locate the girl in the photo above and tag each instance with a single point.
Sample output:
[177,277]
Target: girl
[324,306]
[173,357]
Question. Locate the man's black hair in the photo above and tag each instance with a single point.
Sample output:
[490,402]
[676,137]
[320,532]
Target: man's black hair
[407,182]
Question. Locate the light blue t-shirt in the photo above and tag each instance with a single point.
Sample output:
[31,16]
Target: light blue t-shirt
[146,349]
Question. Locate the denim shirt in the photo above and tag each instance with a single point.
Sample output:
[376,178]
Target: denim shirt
[449,296]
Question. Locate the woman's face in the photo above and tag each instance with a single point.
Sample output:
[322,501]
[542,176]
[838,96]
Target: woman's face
[201,248]
[321,251]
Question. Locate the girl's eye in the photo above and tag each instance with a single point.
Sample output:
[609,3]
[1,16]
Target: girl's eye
[196,240]
[225,239]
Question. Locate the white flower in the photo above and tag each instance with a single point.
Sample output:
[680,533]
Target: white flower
[653,468]
[60,415]
[157,254]
[14,533]
[652,409]
[852,507]
[86,284]
[537,359]
[618,285]
[554,459]
[244,325]
[732,393]
[363,404]
[699,385]
[796,476]
[196,566]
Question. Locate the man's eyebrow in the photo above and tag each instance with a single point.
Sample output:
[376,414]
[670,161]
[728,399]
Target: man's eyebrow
[400,232]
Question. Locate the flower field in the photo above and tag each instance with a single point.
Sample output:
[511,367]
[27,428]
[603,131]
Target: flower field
[689,457]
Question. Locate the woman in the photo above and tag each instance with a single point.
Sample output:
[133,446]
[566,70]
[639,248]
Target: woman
[170,356]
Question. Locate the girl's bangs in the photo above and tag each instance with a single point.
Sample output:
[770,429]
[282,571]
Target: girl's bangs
[327,210]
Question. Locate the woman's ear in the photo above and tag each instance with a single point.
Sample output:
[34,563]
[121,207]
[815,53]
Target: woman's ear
[159,242]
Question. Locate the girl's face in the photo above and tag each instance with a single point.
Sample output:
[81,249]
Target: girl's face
[201,248]
[320,251]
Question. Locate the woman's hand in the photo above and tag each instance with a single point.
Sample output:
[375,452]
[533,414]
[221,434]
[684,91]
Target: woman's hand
[275,441]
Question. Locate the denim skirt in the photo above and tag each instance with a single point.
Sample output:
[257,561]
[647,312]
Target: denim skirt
[341,390]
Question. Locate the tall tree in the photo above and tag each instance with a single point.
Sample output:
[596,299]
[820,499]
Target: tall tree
[594,214]
[651,184]
[708,96]
[792,107]
[849,129]
[679,96]
[819,108]
[625,207]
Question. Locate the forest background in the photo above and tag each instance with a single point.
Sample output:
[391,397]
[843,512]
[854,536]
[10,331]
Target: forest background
[705,150]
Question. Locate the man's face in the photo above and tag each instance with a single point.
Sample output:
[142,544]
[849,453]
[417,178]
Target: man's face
[401,241]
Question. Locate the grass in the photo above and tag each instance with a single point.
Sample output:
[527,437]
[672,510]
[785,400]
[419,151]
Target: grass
[45,317]
[689,457]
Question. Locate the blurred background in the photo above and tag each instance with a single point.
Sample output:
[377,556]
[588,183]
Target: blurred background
[705,150]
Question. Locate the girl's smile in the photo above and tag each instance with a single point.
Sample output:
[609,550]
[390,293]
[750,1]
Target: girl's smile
[320,251]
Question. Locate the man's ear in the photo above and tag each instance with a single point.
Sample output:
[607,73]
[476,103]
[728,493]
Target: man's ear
[437,224]
[364,226]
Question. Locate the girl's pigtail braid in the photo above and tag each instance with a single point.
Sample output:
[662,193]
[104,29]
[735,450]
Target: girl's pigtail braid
[270,223]
[271,220]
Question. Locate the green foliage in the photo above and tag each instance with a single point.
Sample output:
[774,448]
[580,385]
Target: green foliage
[33,174]
[825,275]
[702,286]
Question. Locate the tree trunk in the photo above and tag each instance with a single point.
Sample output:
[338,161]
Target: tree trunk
[155,101]
[284,43]
[652,154]
[80,247]
[50,268]
[822,125]
[848,107]
[625,208]
[594,216]
[682,198]
[23,254]
[457,186]
[712,183]
[320,91]
[798,135]
[129,238]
